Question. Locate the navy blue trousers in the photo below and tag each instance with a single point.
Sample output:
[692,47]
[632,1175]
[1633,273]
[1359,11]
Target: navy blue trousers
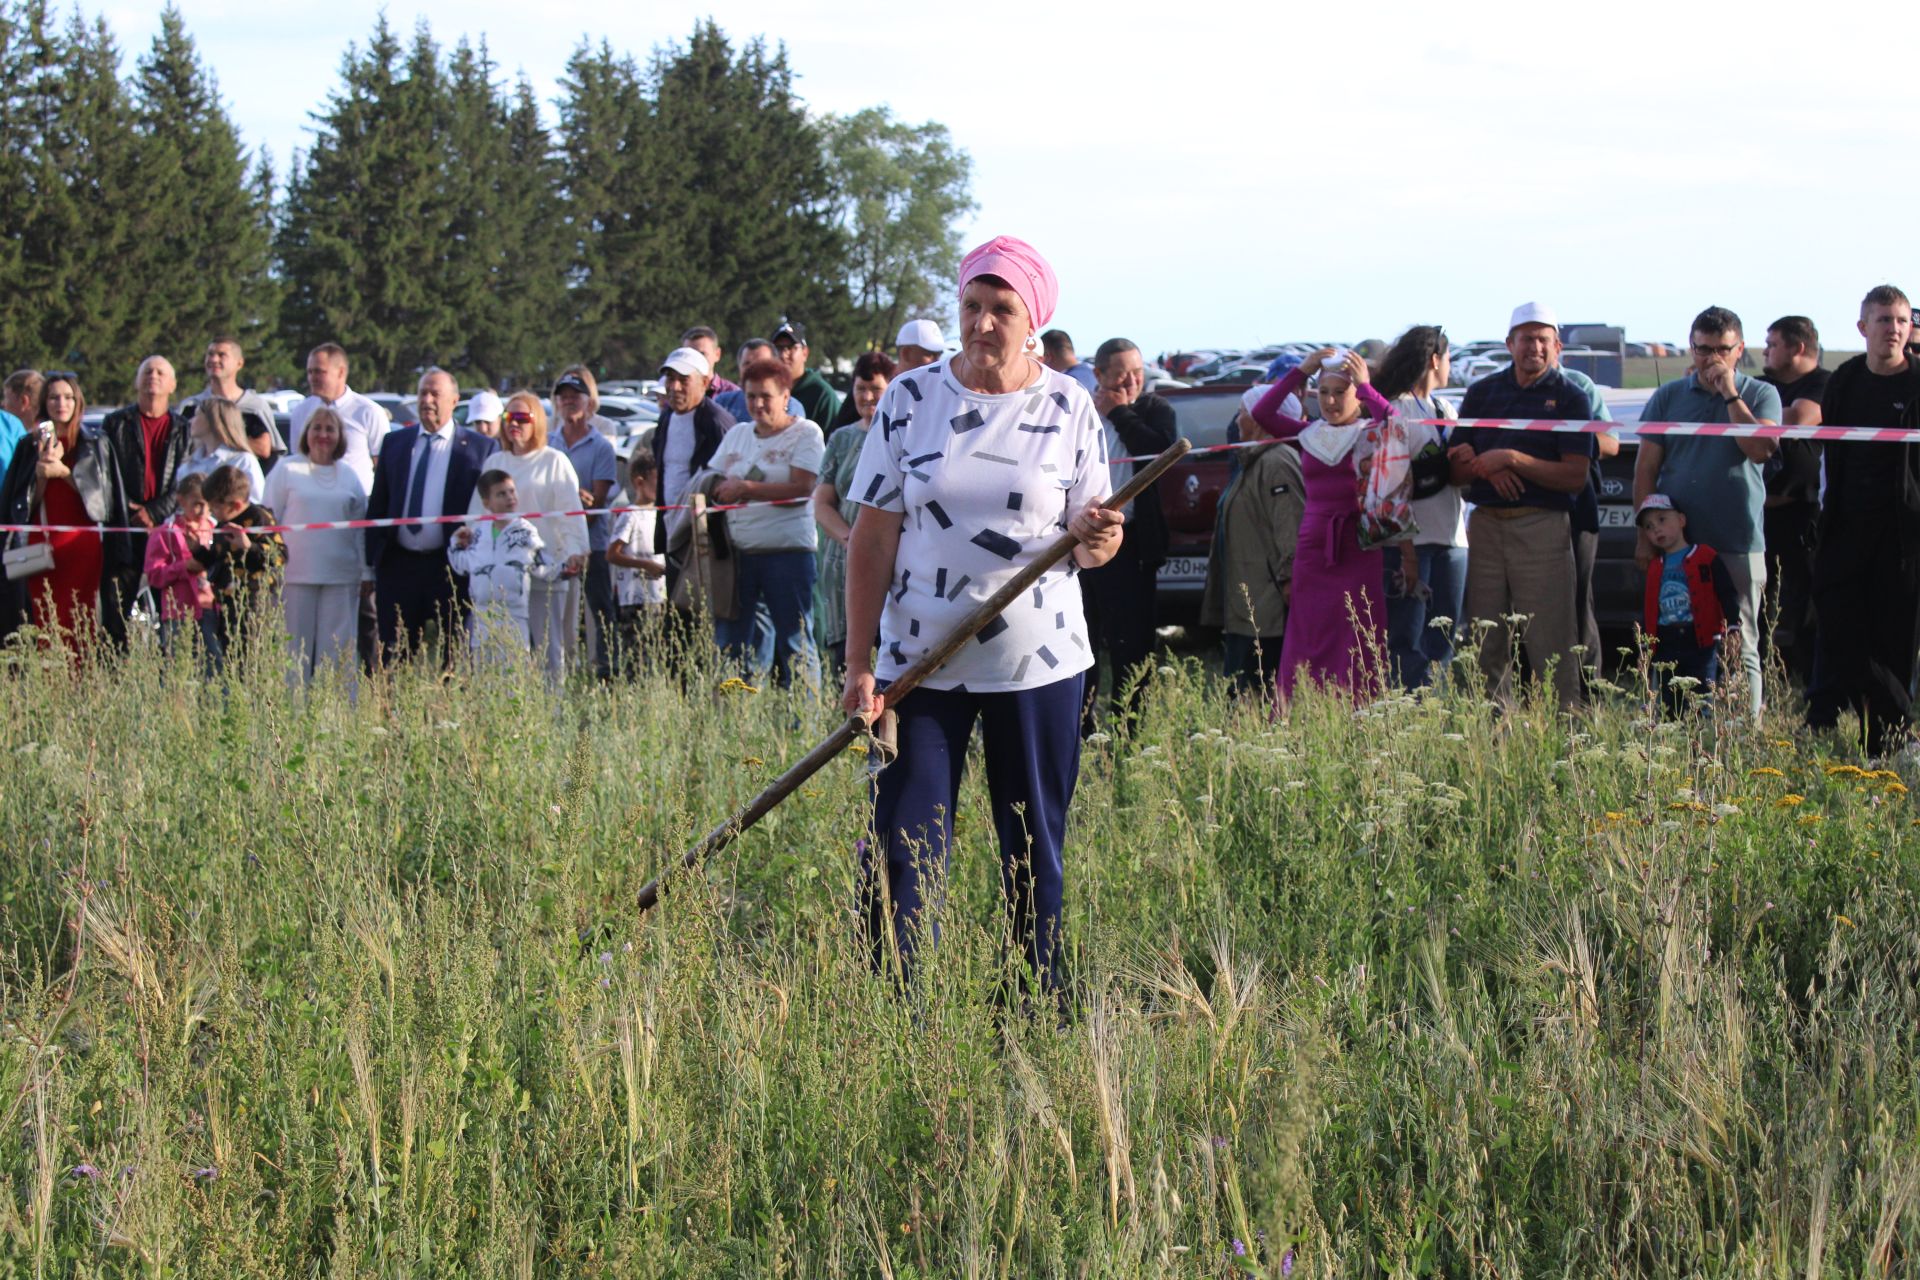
[411,589]
[1032,742]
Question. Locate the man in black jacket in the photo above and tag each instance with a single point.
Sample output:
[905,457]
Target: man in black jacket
[149,439]
[1866,570]
[1119,594]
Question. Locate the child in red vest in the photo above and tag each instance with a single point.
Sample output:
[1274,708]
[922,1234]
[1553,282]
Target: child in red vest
[1690,594]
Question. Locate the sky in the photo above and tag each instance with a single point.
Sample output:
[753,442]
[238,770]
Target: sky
[1242,173]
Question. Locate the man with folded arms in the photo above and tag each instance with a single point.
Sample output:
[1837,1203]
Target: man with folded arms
[1523,485]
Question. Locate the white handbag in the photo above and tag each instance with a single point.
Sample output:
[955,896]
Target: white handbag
[28,560]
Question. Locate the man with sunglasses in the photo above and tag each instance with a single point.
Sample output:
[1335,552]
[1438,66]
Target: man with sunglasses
[1717,481]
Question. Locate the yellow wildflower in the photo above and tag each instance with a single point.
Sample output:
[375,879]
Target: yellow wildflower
[1845,771]
[1808,819]
[1843,920]
[753,761]
[1614,815]
[1780,742]
[1766,771]
[857,747]
[1895,788]
[734,684]
[1885,775]
[1789,800]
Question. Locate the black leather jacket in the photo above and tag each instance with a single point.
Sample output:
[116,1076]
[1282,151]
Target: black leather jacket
[122,430]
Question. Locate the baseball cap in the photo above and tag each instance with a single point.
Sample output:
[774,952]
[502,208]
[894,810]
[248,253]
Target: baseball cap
[1653,502]
[1532,313]
[572,382]
[485,407]
[924,334]
[687,362]
[789,331]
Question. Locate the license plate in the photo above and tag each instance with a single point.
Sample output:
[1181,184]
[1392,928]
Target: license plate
[1184,569]
[1616,517]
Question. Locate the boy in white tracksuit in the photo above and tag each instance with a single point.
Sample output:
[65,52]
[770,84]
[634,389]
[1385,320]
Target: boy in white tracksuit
[499,557]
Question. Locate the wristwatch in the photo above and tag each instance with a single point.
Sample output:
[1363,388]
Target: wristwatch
[1729,399]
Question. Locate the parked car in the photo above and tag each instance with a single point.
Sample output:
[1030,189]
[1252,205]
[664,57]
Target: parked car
[1619,585]
[1190,494]
[399,408]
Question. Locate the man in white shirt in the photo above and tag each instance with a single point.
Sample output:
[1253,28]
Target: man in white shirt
[364,422]
[426,472]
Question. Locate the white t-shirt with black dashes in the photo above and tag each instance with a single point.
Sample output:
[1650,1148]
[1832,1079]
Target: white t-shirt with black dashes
[985,482]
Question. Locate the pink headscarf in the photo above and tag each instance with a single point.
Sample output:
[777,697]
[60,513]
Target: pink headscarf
[1024,270]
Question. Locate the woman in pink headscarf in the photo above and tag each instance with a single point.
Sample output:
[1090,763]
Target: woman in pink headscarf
[975,463]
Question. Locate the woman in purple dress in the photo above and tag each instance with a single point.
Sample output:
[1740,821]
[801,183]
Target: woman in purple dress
[1336,624]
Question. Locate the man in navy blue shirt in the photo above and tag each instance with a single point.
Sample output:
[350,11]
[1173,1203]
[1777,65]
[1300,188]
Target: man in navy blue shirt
[1523,485]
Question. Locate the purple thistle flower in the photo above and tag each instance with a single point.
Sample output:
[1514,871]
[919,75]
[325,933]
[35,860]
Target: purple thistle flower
[1239,1250]
[83,1171]
[207,1174]
[1286,1263]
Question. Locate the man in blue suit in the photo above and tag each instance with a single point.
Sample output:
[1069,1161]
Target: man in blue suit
[424,471]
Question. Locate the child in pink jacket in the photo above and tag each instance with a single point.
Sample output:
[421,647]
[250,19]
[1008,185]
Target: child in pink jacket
[178,579]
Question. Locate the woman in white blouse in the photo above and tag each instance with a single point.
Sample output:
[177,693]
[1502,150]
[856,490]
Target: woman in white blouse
[545,481]
[325,567]
[217,437]
[974,465]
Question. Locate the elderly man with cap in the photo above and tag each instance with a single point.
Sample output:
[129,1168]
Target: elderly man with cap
[691,429]
[483,413]
[920,343]
[1523,485]
[975,464]
[819,402]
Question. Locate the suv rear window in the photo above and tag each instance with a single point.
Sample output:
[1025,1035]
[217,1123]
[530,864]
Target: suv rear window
[1205,416]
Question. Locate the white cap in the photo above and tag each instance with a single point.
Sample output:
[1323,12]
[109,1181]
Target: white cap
[1252,396]
[924,334]
[485,407]
[1533,313]
[688,363]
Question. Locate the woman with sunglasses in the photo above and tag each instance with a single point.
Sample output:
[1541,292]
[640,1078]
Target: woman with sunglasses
[544,481]
[63,474]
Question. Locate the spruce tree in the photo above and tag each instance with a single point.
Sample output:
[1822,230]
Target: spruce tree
[363,237]
[603,115]
[210,240]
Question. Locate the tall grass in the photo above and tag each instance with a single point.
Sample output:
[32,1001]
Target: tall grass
[299,987]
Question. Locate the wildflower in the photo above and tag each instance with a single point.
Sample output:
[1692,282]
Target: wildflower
[1808,819]
[753,762]
[1780,742]
[1614,815]
[83,1171]
[1843,920]
[1440,620]
[858,748]
[1766,772]
[1789,800]
[1895,788]
[605,983]
[1726,811]
[1099,739]
[605,957]
[207,1174]
[1845,771]
[555,810]
[1454,737]
[1239,1249]
[734,684]
[1219,1142]
[1286,1264]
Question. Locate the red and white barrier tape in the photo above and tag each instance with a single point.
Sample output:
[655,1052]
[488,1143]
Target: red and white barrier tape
[1720,430]
[397,522]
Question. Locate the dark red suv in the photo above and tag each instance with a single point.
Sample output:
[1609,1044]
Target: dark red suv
[1190,494]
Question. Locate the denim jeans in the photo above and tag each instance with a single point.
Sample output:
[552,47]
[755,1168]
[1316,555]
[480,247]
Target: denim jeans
[1413,645]
[783,582]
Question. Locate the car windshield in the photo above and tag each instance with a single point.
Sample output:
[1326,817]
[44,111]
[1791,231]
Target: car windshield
[1205,418]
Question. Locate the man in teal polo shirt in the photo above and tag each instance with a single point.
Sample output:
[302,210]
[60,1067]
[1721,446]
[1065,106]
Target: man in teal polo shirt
[1717,481]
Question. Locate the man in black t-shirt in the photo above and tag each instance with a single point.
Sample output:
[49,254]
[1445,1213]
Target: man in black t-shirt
[1866,569]
[1793,492]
